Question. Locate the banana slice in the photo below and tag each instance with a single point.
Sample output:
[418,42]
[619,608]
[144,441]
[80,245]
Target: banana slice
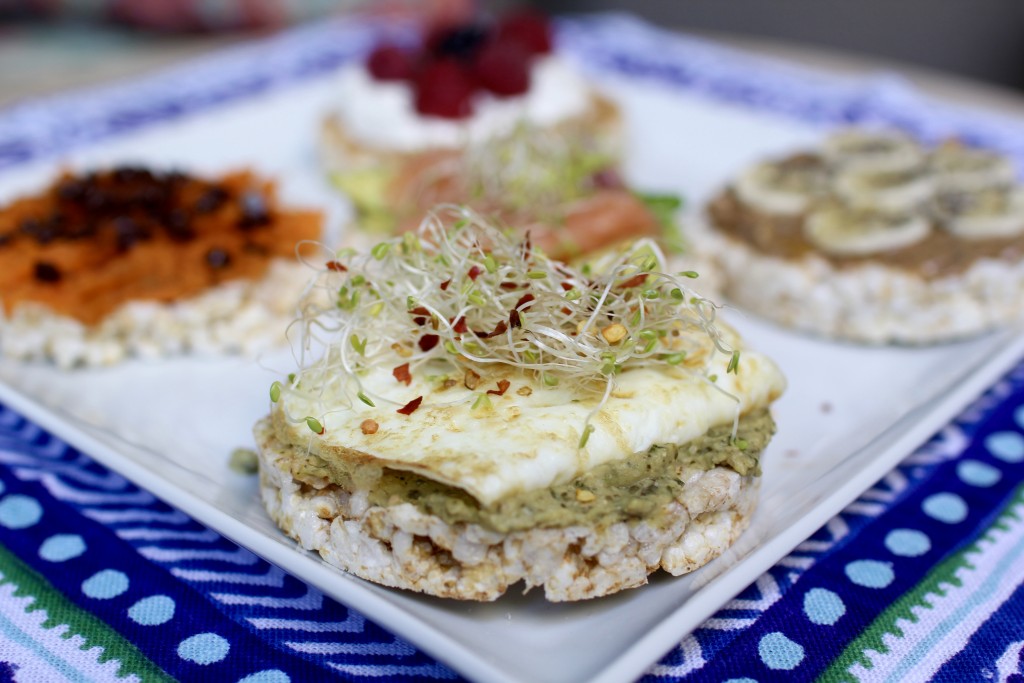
[869,150]
[894,192]
[845,231]
[992,213]
[783,187]
[967,169]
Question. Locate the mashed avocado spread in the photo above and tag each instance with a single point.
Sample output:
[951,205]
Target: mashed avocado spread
[634,487]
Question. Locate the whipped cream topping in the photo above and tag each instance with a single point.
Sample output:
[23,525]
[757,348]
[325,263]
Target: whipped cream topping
[382,114]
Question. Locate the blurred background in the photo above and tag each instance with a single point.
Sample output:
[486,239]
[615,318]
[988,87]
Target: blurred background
[50,45]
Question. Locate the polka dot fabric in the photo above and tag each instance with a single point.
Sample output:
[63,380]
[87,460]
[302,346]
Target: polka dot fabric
[919,580]
[922,572]
[121,570]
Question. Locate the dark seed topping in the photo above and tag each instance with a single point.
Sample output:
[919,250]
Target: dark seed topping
[79,231]
[127,232]
[43,232]
[178,227]
[29,226]
[211,200]
[129,174]
[71,190]
[128,205]
[46,272]
[150,197]
[217,258]
[254,210]
[95,198]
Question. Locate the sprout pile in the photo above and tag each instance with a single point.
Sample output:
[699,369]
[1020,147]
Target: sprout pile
[462,296]
[535,168]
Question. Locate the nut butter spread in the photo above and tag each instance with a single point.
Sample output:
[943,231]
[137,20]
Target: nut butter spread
[940,254]
[93,242]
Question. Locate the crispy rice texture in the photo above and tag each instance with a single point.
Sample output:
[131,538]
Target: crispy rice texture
[240,316]
[871,304]
[402,547]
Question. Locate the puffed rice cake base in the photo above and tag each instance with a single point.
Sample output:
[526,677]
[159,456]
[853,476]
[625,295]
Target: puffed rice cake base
[240,316]
[871,303]
[403,547]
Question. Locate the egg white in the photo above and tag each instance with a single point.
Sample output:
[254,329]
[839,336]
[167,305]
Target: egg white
[527,442]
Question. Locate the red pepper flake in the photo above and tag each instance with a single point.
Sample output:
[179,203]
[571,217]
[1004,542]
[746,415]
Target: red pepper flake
[428,341]
[567,286]
[336,266]
[474,272]
[503,385]
[420,320]
[514,318]
[410,407]
[401,373]
[634,281]
[459,326]
[500,328]
[510,285]
[444,285]
[525,299]
[567,311]
[419,310]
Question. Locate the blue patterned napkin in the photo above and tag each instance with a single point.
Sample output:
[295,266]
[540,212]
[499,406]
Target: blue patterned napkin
[918,579]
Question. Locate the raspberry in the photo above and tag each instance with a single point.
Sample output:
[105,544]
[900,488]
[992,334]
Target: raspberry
[445,89]
[391,63]
[531,30]
[503,68]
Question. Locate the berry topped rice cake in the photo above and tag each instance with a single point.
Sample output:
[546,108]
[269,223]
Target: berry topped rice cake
[486,114]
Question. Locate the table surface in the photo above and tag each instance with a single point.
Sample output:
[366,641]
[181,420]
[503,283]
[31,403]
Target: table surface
[51,59]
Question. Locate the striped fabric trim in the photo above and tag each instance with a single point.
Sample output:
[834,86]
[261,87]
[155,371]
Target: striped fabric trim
[50,638]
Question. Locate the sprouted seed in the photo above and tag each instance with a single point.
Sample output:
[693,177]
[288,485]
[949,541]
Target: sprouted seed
[314,425]
[244,461]
[461,295]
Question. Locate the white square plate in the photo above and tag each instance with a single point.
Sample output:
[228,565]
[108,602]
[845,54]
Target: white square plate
[850,414]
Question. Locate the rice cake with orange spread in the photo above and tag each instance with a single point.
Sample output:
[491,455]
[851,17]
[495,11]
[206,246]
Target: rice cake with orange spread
[130,261]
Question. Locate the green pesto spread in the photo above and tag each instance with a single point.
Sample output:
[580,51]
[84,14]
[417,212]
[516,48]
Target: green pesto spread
[634,487]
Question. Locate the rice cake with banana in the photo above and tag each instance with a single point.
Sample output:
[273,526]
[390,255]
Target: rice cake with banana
[484,416]
[874,238]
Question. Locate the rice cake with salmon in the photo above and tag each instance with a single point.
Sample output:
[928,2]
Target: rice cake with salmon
[539,154]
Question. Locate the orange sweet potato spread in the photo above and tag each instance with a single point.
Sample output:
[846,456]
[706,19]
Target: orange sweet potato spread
[90,243]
